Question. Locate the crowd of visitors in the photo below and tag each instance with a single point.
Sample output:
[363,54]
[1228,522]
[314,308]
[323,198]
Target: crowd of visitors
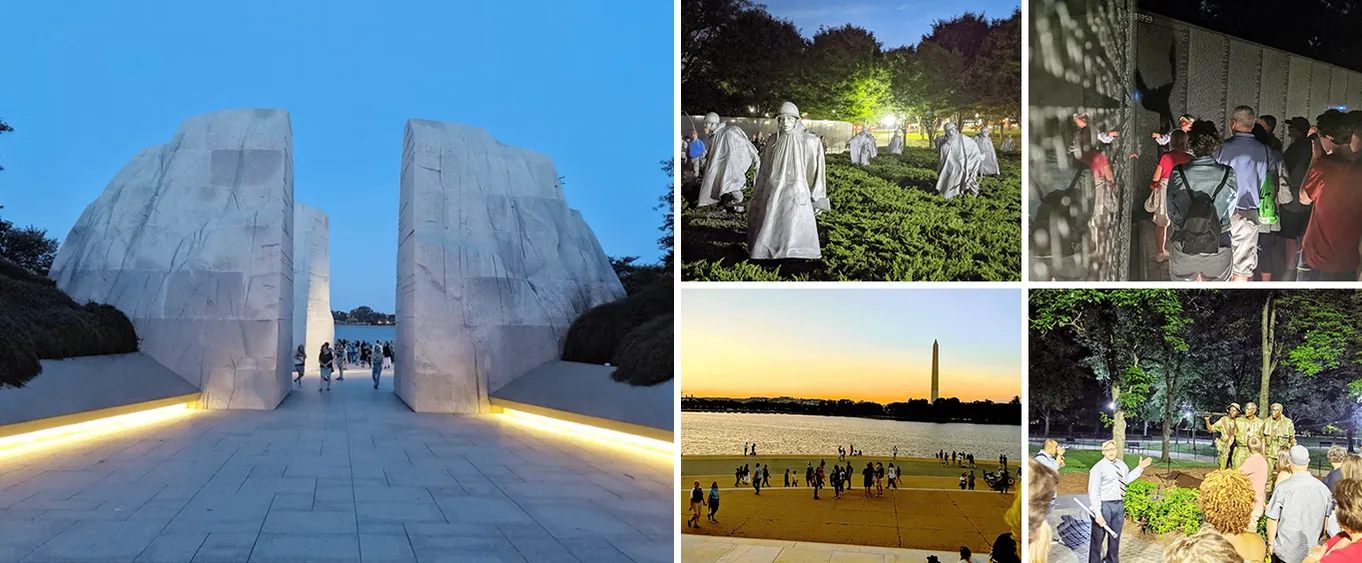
[1307,520]
[375,356]
[1241,205]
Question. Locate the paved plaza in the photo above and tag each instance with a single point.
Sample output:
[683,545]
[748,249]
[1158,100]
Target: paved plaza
[708,549]
[348,475]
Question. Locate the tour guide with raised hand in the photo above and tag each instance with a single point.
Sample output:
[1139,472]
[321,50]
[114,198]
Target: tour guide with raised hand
[1106,497]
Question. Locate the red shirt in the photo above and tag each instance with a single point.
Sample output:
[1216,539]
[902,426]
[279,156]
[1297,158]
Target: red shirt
[1335,229]
[1171,159]
[1352,553]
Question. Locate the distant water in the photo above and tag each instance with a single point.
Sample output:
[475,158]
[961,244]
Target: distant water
[368,333]
[705,433]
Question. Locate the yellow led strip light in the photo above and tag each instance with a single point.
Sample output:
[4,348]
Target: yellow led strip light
[600,435]
[24,443]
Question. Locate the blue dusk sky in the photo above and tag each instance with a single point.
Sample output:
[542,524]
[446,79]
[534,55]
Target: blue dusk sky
[861,342]
[88,84]
[895,23]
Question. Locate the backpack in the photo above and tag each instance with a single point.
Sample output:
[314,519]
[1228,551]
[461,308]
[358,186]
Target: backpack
[1200,233]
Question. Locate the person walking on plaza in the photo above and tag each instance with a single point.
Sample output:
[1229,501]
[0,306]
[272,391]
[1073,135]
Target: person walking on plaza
[339,361]
[697,499]
[971,479]
[1297,511]
[713,501]
[299,360]
[756,479]
[893,476]
[808,475]
[817,481]
[1107,483]
[326,359]
[879,479]
[376,360]
[766,476]
[868,477]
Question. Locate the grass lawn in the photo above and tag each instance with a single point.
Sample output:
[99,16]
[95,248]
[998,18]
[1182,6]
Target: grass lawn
[887,223]
[1081,461]
[724,465]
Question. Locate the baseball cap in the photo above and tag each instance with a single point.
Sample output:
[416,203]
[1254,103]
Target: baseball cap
[1300,455]
[1298,122]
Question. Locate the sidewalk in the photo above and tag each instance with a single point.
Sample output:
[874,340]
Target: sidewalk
[702,549]
[349,475]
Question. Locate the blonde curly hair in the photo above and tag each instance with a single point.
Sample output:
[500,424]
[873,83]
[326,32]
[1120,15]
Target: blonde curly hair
[1204,547]
[1227,499]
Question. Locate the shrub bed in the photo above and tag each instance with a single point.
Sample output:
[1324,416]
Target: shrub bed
[645,357]
[595,337]
[40,322]
[887,223]
[1173,509]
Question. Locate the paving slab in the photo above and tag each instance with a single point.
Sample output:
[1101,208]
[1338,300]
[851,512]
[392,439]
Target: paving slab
[346,475]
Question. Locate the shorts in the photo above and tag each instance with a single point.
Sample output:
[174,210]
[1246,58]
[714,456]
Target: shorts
[1244,242]
[326,374]
[1186,267]
[1157,204]
[297,367]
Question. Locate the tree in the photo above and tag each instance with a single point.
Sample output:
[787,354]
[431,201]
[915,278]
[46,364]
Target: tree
[4,128]
[703,23]
[665,204]
[996,72]
[28,247]
[843,78]
[1061,362]
[1117,327]
[638,276]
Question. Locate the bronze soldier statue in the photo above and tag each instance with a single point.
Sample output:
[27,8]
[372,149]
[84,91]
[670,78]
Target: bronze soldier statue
[1227,426]
[1278,431]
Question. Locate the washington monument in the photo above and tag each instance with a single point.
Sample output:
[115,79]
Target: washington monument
[936,379]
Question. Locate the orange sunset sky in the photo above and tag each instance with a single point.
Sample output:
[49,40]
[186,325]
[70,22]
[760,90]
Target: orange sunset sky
[861,344]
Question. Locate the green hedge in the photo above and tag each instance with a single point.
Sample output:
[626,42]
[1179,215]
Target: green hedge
[595,336]
[1174,509]
[39,322]
[645,357]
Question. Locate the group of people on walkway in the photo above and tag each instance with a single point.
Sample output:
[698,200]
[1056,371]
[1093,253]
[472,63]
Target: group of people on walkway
[346,352]
[1246,206]
[961,459]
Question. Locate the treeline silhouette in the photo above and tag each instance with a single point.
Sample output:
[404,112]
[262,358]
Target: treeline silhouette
[917,410]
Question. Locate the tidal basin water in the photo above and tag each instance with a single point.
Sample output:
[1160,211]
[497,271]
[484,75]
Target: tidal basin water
[704,433]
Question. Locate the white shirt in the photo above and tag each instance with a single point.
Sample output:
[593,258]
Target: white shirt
[1107,482]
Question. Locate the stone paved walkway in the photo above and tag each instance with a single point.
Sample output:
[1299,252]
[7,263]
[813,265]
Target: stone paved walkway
[349,475]
[706,549]
[1134,549]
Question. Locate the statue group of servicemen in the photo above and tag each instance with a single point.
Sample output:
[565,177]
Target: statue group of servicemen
[1234,430]
[790,187]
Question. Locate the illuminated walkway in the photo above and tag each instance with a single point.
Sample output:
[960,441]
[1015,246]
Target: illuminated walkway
[350,475]
[708,549]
